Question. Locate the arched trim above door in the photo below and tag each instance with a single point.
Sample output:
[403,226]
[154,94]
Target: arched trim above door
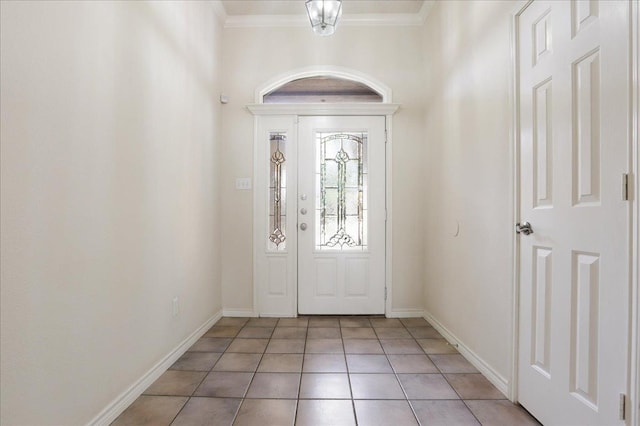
[324,71]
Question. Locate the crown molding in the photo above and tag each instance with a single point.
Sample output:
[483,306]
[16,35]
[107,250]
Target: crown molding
[355,20]
[373,19]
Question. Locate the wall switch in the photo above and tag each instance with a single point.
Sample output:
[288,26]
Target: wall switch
[243,183]
[175,305]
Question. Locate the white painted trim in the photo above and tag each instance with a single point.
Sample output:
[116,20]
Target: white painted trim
[347,20]
[324,71]
[406,313]
[239,313]
[514,132]
[256,219]
[122,401]
[389,221]
[323,109]
[500,382]
[634,385]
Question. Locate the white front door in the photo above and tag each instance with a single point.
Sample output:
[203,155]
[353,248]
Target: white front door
[573,90]
[341,215]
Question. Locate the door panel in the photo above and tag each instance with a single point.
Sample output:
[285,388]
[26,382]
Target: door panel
[574,268]
[341,205]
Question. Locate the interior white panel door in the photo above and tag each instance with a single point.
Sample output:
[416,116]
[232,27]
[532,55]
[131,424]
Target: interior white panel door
[573,89]
[341,215]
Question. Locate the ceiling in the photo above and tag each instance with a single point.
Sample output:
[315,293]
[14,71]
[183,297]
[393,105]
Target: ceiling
[296,7]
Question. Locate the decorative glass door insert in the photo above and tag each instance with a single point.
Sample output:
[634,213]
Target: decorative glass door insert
[277,192]
[341,191]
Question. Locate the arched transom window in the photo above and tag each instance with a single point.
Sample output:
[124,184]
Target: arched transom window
[322,89]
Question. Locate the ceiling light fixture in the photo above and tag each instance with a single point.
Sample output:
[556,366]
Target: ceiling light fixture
[324,15]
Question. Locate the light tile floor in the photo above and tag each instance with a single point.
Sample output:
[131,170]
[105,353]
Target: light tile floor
[322,371]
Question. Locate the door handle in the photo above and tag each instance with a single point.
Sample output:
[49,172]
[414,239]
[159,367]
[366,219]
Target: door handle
[303,226]
[524,228]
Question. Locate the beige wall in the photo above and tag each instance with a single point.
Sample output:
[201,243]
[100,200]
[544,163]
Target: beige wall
[109,134]
[392,55]
[468,278]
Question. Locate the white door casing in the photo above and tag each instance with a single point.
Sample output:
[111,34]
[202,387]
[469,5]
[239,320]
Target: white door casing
[341,209]
[574,271]
[275,271]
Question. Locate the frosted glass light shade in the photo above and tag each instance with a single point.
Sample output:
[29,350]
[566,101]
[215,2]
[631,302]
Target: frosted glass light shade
[324,15]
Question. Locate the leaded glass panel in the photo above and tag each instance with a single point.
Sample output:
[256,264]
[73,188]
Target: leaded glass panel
[277,192]
[341,191]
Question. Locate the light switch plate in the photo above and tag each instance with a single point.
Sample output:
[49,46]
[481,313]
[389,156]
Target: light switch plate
[243,183]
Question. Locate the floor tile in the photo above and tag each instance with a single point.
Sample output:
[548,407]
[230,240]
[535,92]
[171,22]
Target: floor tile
[263,412]
[208,411]
[323,322]
[452,364]
[443,413]
[473,386]
[225,385]
[384,413]
[437,346]
[424,333]
[414,322]
[426,386]
[274,385]
[324,363]
[281,363]
[392,333]
[196,361]
[401,346]
[256,346]
[286,346]
[176,383]
[358,333]
[355,322]
[216,331]
[499,413]
[325,413]
[255,332]
[412,364]
[375,386]
[385,322]
[325,386]
[362,346]
[289,333]
[324,333]
[151,411]
[232,321]
[210,344]
[324,346]
[368,364]
[389,370]
[238,362]
[262,322]
[293,322]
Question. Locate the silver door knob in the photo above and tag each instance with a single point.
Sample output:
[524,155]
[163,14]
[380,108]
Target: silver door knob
[303,211]
[303,226]
[524,228]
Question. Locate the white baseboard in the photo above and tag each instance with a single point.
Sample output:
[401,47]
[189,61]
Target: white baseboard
[118,405]
[493,376]
[238,313]
[406,313]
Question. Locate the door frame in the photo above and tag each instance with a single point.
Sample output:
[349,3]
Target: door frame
[633,387]
[261,110]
